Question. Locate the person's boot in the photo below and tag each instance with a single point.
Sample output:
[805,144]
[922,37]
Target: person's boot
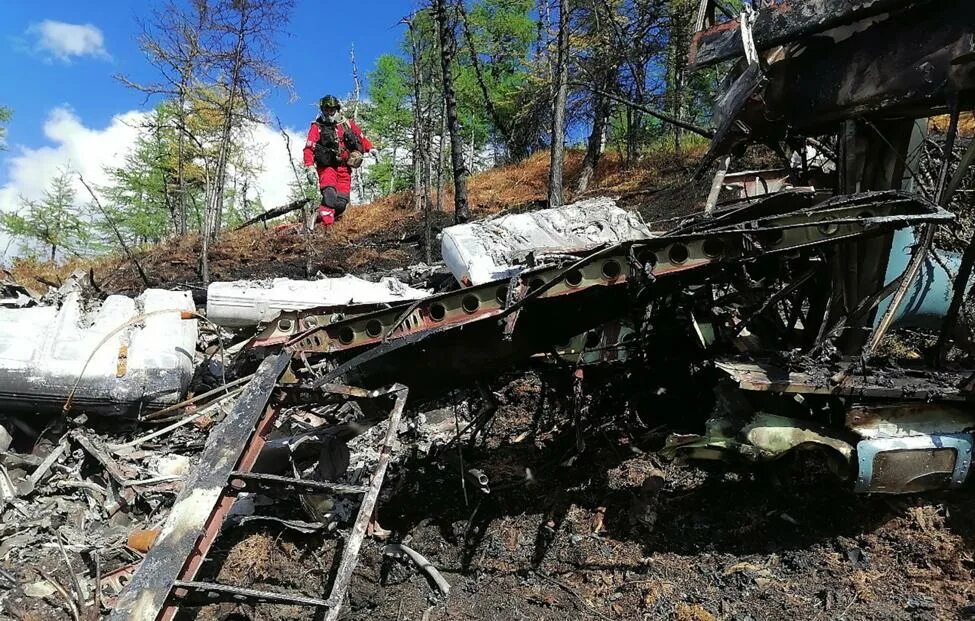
[326,215]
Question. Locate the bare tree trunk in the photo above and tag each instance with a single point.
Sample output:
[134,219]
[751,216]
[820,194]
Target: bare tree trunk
[427,182]
[417,128]
[214,208]
[447,49]
[681,16]
[441,152]
[594,146]
[421,198]
[356,173]
[544,22]
[392,169]
[555,198]
[181,157]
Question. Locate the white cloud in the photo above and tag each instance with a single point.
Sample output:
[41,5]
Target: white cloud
[82,149]
[90,151]
[65,41]
[276,176]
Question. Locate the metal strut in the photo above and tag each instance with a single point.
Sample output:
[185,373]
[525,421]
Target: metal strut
[166,579]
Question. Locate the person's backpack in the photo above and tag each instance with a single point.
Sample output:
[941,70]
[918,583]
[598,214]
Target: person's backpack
[327,148]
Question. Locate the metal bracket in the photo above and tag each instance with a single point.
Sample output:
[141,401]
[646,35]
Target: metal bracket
[869,479]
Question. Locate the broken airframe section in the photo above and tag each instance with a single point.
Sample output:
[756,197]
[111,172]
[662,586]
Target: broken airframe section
[248,303]
[118,356]
[440,341]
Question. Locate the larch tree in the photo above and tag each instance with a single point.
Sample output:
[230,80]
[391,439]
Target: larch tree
[388,115]
[555,194]
[217,56]
[53,222]
[171,42]
[448,47]
[241,46]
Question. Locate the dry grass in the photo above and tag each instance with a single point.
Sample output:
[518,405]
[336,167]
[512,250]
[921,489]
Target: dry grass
[516,186]
[966,124]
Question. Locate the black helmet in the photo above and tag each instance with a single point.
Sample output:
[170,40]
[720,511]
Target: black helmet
[328,101]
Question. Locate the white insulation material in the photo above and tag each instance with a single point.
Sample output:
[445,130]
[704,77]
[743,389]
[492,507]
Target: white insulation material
[129,353]
[480,252]
[248,303]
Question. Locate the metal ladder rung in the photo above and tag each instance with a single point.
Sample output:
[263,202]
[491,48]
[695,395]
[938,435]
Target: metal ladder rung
[225,592]
[248,481]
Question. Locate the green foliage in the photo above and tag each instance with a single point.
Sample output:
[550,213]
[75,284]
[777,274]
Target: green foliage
[388,114]
[52,223]
[501,33]
[389,119]
[143,194]
[139,192]
[5,114]
[383,178]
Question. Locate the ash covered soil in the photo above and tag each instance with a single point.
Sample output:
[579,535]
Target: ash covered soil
[612,532]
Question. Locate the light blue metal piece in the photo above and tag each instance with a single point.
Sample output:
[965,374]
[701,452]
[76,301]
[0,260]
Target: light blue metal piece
[868,450]
[928,298]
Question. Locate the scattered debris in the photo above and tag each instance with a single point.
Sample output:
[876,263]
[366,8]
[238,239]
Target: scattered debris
[552,383]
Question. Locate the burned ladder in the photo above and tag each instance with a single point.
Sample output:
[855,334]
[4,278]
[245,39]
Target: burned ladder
[167,574]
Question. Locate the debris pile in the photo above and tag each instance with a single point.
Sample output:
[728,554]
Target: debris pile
[535,436]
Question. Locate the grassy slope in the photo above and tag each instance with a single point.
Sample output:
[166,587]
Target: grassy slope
[384,234]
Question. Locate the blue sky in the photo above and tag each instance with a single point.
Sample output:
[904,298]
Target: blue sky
[35,81]
[58,59]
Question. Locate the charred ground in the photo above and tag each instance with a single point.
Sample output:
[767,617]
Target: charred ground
[569,528]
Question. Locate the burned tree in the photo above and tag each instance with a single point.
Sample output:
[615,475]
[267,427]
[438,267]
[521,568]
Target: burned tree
[555,198]
[216,56]
[448,47]
[172,44]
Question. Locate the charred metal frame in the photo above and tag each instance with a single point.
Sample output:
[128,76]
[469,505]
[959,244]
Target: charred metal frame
[199,510]
[777,22]
[166,578]
[779,223]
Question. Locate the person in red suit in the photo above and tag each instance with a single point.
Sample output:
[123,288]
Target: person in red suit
[335,146]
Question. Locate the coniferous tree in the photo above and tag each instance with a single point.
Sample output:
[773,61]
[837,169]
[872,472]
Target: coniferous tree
[53,223]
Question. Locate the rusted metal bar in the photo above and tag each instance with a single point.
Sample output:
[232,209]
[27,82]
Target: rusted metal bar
[350,553]
[254,481]
[780,21]
[214,592]
[354,391]
[199,510]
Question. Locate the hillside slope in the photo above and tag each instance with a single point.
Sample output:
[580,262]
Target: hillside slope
[385,234]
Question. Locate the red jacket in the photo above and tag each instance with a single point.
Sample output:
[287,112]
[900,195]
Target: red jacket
[339,177]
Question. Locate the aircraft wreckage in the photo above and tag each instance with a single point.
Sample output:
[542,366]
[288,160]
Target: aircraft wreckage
[756,321]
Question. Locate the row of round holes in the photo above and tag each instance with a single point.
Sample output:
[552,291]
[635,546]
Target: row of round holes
[773,238]
[611,269]
[470,303]
[713,249]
